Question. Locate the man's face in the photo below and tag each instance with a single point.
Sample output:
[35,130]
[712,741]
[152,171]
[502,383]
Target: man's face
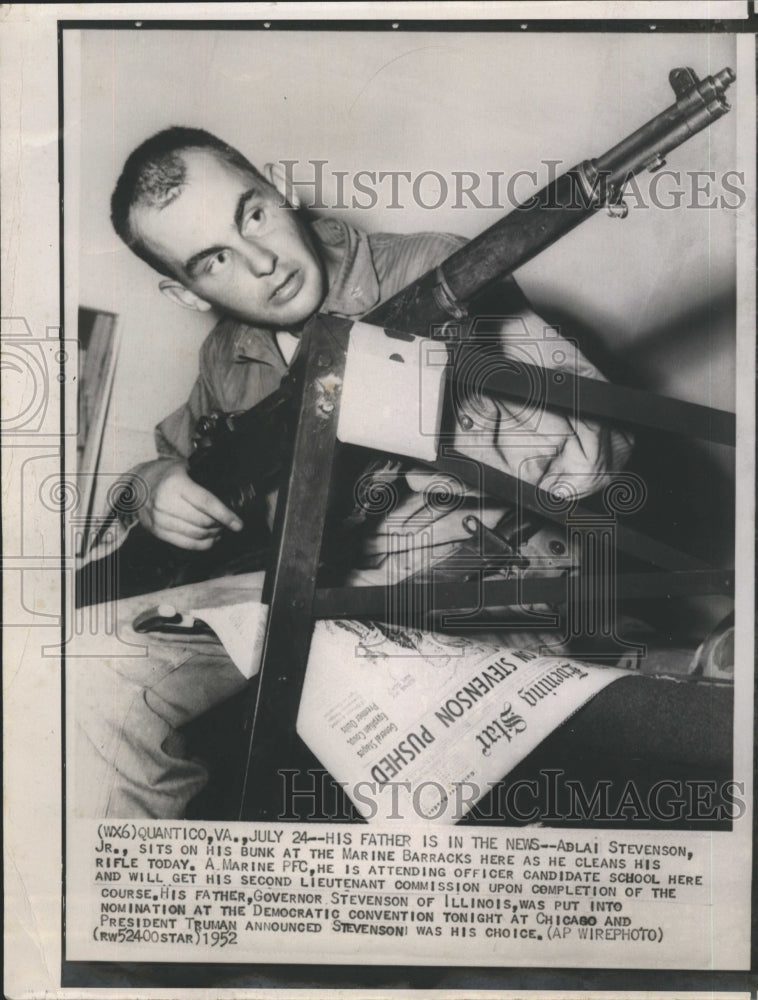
[230,239]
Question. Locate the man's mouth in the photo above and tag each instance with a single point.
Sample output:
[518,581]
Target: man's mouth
[288,288]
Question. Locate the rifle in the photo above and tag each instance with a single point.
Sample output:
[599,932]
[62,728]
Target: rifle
[240,456]
[443,293]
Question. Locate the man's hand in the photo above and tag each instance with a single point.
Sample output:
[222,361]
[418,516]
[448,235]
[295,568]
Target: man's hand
[179,511]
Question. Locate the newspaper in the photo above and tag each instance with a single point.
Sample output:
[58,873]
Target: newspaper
[505,815]
[426,727]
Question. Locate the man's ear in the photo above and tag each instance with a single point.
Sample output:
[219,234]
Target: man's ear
[277,176]
[182,296]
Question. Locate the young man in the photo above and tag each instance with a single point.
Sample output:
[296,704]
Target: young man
[226,238]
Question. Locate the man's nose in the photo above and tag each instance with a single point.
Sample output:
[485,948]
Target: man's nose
[260,259]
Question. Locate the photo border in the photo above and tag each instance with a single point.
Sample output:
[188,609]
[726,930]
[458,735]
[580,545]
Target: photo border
[220,976]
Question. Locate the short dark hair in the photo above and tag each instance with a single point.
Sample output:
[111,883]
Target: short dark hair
[153,172]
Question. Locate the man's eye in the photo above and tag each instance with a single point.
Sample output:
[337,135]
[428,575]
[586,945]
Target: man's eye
[218,261]
[254,218]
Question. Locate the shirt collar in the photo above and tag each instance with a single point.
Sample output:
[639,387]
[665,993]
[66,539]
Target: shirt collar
[353,291]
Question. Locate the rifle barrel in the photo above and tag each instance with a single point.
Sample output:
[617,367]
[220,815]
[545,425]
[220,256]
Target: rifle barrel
[442,293]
